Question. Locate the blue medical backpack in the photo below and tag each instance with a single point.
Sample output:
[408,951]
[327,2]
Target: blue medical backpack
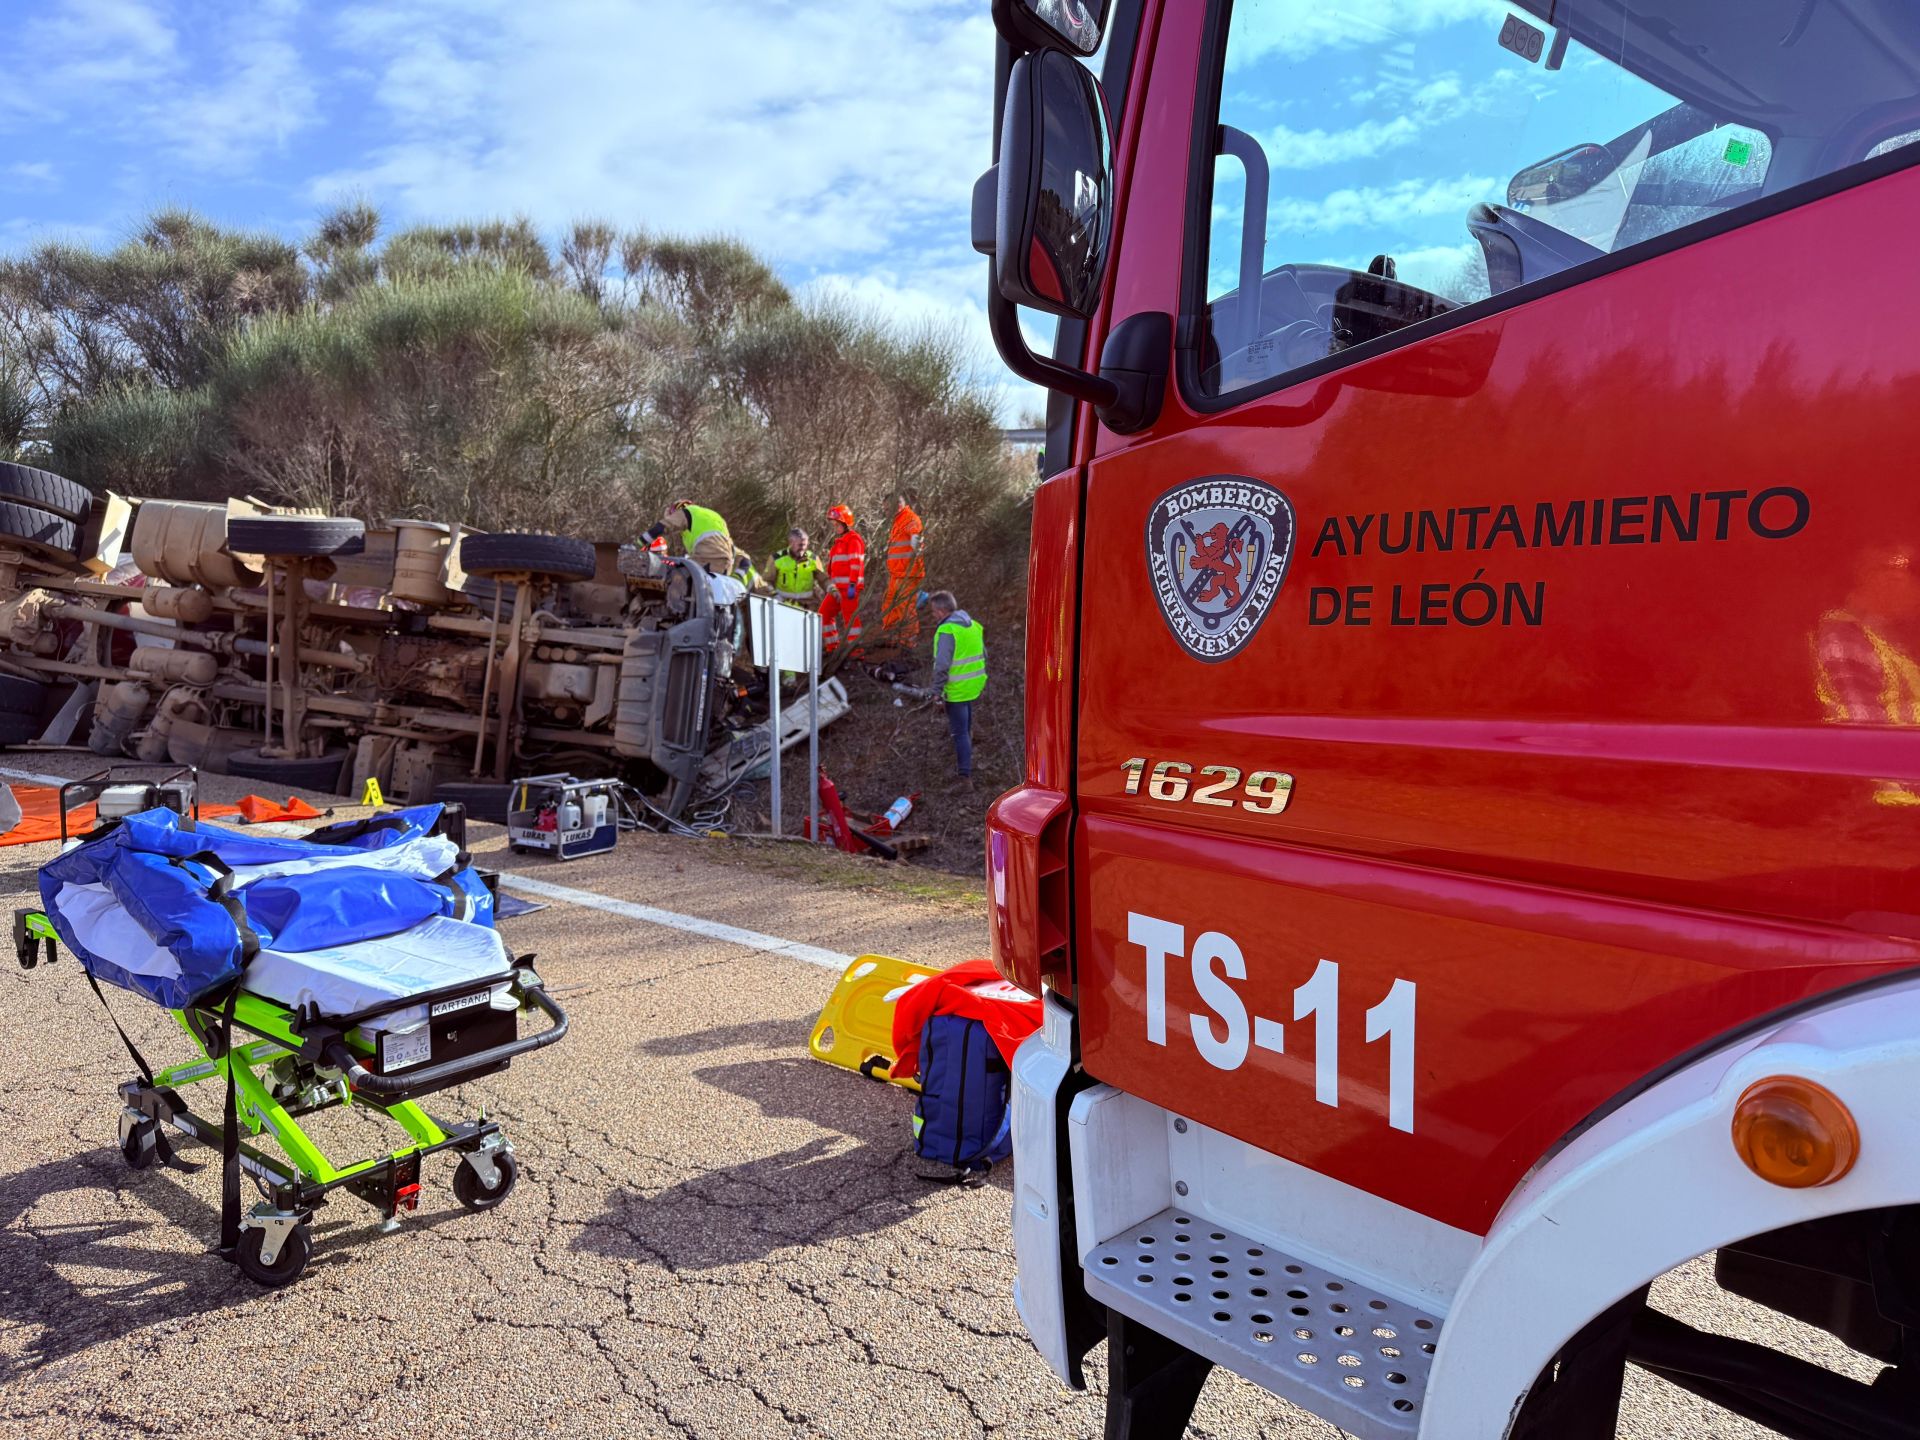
[963,1119]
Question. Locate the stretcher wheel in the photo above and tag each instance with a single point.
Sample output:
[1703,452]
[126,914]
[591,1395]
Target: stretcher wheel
[287,1266]
[142,1145]
[468,1190]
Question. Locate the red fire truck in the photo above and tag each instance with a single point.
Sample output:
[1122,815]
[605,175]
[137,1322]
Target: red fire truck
[1471,831]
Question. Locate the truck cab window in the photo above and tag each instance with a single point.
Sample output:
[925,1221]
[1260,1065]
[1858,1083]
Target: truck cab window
[1379,164]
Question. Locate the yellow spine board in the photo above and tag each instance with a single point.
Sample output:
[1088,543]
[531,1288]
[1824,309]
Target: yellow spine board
[856,1027]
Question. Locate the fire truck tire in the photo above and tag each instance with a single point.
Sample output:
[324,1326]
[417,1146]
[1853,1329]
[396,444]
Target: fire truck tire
[484,800]
[296,537]
[21,696]
[43,490]
[559,556]
[39,531]
[16,729]
[320,772]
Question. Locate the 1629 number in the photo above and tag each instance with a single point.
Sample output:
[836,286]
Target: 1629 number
[1264,792]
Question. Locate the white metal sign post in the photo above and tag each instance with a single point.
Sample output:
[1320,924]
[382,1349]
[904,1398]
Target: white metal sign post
[778,628]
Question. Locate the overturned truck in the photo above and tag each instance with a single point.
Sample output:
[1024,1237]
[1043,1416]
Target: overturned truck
[317,652]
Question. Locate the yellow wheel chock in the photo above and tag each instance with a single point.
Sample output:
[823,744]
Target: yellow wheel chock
[855,1030]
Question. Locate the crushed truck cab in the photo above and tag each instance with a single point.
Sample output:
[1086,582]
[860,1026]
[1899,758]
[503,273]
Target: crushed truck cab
[1468,833]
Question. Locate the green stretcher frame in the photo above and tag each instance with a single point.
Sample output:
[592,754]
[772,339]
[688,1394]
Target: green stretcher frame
[249,1056]
[259,1110]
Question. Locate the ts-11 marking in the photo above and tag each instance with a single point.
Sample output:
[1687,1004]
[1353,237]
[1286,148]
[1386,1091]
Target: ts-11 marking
[1225,1033]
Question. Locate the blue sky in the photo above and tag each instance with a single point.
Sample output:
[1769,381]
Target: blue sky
[840,139]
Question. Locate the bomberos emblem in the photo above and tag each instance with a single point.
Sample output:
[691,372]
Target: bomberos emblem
[1218,550]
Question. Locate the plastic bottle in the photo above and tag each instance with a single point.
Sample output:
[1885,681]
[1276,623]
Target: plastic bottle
[596,811]
[570,815]
[896,814]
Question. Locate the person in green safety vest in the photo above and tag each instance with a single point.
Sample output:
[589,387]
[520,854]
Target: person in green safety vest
[689,521]
[959,674]
[797,571]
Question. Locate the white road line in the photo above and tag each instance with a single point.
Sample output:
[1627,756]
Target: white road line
[712,929]
[651,915]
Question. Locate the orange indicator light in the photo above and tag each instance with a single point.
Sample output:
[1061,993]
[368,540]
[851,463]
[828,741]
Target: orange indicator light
[1795,1133]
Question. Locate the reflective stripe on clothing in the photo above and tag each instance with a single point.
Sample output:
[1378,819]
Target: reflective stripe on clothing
[847,566]
[904,543]
[966,673]
[702,521]
[793,577]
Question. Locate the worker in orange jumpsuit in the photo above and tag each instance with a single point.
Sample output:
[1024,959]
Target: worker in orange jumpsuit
[846,578]
[906,575]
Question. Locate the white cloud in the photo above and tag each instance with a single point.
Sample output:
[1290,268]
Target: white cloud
[814,132]
[1299,28]
[1381,205]
[32,173]
[122,66]
[1289,149]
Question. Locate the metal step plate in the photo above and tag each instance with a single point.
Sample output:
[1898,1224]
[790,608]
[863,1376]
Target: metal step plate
[1330,1345]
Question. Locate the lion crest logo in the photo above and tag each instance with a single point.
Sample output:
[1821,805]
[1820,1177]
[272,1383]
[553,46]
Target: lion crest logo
[1218,550]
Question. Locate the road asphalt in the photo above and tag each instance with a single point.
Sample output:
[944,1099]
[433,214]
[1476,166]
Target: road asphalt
[714,1236]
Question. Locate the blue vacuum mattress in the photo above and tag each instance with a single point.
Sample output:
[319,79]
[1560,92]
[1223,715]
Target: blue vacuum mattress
[359,917]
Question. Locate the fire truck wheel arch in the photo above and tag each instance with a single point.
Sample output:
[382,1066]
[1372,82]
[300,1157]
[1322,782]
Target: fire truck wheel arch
[1657,1182]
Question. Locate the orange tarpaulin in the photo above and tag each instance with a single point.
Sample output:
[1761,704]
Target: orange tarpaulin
[258,810]
[40,814]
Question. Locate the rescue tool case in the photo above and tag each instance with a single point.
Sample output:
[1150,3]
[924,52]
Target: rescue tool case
[563,817]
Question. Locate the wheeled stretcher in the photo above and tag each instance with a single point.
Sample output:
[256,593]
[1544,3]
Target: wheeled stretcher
[358,967]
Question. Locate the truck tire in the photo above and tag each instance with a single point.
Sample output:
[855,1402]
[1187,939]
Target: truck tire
[320,772]
[18,729]
[633,699]
[559,556]
[37,531]
[483,799]
[44,490]
[21,696]
[297,537]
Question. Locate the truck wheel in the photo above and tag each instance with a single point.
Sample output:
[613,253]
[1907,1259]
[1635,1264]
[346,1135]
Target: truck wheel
[559,556]
[320,772]
[37,531]
[43,490]
[484,800]
[297,537]
[16,729]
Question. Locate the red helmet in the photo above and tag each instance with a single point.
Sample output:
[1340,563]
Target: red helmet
[842,514]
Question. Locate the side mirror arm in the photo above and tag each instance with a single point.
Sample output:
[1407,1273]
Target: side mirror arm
[1003,319]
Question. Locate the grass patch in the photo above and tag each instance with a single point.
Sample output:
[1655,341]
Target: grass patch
[817,865]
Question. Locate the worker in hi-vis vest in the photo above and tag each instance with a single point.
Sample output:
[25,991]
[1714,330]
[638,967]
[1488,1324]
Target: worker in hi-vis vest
[797,571]
[690,522]
[959,673]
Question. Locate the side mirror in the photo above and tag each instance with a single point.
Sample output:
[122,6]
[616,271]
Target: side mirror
[1054,211]
[1043,24]
[1560,177]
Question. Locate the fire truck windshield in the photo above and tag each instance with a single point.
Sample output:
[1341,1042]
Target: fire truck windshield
[1386,162]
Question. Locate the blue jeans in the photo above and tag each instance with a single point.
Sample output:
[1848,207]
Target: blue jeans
[960,726]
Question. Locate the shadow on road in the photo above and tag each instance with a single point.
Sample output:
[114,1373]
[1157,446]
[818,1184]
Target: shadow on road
[132,1282]
[764,1034]
[861,1178]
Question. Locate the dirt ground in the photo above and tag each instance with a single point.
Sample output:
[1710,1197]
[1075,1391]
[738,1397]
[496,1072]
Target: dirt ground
[714,1236]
